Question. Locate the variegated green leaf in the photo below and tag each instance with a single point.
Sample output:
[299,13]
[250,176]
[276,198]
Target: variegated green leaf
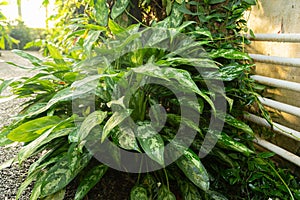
[165,194]
[34,60]
[176,17]
[3,137]
[216,1]
[118,8]
[225,141]
[230,54]
[176,120]
[192,167]
[138,193]
[188,190]
[90,180]
[216,195]
[150,184]
[238,124]
[36,191]
[54,52]
[26,183]
[115,28]
[90,40]
[77,90]
[60,195]
[117,118]
[204,32]
[64,171]
[182,77]
[89,123]
[40,164]
[37,108]
[125,138]
[5,84]
[45,138]
[101,12]
[33,129]
[199,62]
[151,142]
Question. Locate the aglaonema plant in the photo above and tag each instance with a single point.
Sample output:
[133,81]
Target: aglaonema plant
[117,82]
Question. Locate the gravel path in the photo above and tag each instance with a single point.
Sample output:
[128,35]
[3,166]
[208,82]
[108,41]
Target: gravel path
[10,178]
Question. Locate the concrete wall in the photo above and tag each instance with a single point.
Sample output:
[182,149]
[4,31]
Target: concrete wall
[277,17]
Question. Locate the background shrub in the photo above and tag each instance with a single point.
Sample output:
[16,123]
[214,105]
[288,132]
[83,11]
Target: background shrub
[25,34]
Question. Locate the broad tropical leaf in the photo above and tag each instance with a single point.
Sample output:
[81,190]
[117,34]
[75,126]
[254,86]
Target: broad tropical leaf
[54,52]
[165,194]
[64,171]
[192,167]
[3,137]
[138,193]
[90,180]
[33,129]
[45,138]
[125,138]
[230,54]
[34,60]
[182,77]
[238,124]
[89,123]
[101,12]
[60,195]
[151,142]
[118,8]
[225,141]
[188,190]
[26,183]
[117,118]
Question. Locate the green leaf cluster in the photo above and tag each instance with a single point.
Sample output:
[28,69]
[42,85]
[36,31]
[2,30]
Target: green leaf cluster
[98,55]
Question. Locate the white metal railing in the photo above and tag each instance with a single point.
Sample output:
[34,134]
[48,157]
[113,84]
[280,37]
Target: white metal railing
[278,128]
[293,110]
[275,37]
[278,83]
[278,150]
[293,62]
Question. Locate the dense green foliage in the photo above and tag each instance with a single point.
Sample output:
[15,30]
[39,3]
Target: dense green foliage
[94,48]
[5,39]
[24,35]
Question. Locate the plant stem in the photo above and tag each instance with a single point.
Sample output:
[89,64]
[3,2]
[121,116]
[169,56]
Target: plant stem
[167,179]
[284,183]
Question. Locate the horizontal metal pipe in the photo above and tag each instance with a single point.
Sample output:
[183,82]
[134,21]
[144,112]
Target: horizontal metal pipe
[278,150]
[281,106]
[275,37]
[293,62]
[277,83]
[278,128]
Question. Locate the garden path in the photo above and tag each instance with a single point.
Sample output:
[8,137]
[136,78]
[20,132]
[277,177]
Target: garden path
[11,178]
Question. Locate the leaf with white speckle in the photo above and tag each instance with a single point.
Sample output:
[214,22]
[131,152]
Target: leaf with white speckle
[165,194]
[64,171]
[90,180]
[138,193]
[152,143]
[192,167]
